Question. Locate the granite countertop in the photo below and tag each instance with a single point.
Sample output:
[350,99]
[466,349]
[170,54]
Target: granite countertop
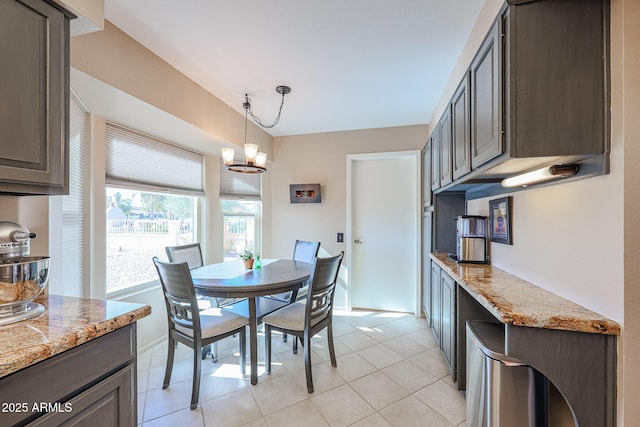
[66,323]
[517,302]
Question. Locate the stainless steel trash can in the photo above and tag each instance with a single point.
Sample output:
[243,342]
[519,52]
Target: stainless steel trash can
[501,390]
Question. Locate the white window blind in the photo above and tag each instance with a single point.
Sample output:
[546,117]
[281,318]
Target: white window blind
[150,163]
[237,185]
[74,224]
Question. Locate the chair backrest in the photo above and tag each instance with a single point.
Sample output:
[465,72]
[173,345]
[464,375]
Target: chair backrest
[305,251]
[323,280]
[191,254]
[179,294]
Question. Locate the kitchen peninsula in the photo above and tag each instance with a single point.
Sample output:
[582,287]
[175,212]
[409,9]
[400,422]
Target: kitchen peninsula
[572,346]
[76,361]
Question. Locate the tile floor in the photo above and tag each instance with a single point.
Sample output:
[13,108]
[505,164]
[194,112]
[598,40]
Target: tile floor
[390,373]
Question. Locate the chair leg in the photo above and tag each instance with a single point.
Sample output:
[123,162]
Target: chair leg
[243,350]
[284,337]
[267,348]
[295,345]
[214,352]
[195,389]
[307,362]
[169,368]
[332,352]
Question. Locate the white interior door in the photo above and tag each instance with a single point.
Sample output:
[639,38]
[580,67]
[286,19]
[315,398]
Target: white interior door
[384,231]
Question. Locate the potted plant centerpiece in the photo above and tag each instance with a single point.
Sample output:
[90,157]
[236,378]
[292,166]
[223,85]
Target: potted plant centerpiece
[247,258]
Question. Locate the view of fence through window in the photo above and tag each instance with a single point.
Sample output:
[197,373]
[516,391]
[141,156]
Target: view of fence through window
[140,225]
[241,222]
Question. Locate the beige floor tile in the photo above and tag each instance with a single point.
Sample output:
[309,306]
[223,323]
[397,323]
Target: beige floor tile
[409,375]
[301,414]
[352,366]
[257,423]
[408,324]
[424,337]
[433,361]
[184,418]
[231,410]
[379,390]
[357,340]
[341,328]
[374,420]
[162,402]
[380,356]
[381,333]
[405,346]
[411,412]
[293,362]
[446,400]
[342,406]
[325,377]
[277,394]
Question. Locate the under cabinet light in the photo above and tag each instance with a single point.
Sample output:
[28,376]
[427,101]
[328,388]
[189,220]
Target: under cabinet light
[540,175]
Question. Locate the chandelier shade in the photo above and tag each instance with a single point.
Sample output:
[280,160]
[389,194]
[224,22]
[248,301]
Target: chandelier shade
[255,161]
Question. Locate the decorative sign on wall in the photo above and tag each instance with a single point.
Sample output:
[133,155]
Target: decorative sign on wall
[304,193]
[500,210]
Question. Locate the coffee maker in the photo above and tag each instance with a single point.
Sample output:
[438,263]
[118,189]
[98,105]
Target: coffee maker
[471,239]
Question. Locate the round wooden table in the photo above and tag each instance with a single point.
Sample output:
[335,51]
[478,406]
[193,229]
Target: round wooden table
[232,280]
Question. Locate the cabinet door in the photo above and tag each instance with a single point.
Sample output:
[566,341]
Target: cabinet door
[448,320]
[486,104]
[445,148]
[426,265]
[111,402]
[34,89]
[435,159]
[435,301]
[426,175]
[461,129]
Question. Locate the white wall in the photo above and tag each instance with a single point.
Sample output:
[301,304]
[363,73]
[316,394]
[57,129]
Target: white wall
[322,158]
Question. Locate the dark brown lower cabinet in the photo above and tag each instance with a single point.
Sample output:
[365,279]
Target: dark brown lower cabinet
[93,384]
[448,333]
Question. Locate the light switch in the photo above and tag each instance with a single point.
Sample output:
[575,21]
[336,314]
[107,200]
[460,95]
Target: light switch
[340,237]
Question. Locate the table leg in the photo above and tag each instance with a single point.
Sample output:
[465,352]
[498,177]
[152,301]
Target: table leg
[253,340]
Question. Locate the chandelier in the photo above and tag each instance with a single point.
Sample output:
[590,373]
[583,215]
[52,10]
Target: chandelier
[255,161]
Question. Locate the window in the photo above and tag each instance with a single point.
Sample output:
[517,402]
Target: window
[151,198]
[140,224]
[241,227]
[240,195]
[74,224]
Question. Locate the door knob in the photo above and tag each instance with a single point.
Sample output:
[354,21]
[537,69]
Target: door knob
[358,241]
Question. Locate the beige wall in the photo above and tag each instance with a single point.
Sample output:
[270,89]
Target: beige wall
[625,114]
[322,158]
[114,58]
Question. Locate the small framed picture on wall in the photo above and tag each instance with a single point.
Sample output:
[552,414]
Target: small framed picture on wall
[501,218]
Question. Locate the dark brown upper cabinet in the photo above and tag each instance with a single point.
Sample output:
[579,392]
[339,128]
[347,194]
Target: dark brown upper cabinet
[460,129]
[34,97]
[486,105]
[446,176]
[426,174]
[435,158]
[536,93]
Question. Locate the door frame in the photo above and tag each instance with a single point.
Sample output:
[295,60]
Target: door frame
[416,156]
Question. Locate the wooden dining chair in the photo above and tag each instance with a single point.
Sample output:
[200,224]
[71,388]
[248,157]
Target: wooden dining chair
[305,319]
[190,326]
[302,251]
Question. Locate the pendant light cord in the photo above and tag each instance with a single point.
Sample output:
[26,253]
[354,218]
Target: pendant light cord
[247,109]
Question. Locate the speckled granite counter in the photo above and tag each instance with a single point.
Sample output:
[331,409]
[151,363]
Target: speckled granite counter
[517,302]
[66,323]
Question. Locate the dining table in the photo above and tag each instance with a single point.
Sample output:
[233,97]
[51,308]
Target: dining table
[254,286]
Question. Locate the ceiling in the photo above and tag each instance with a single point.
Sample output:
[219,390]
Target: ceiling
[351,64]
